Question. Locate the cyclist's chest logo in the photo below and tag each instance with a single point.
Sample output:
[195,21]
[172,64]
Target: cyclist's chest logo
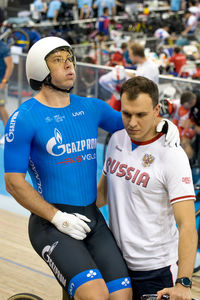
[56,147]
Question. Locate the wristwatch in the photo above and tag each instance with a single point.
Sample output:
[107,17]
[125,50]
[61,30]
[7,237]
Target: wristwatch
[185,281]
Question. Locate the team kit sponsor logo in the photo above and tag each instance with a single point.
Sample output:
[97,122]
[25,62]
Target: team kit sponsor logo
[10,135]
[46,255]
[56,147]
[37,176]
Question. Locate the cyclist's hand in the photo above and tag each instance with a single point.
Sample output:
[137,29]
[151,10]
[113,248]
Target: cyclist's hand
[72,224]
[178,292]
[172,134]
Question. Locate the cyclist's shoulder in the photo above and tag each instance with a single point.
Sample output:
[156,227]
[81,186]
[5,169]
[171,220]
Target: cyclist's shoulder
[26,110]
[87,100]
[29,104]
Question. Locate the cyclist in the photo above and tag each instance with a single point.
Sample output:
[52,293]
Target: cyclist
[53,136]
[150,190]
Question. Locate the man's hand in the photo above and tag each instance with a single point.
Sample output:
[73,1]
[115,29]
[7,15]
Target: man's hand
[172,134]
[71,224]
[178,292]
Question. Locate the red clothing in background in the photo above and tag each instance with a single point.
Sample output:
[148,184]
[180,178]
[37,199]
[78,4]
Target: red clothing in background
[178,60]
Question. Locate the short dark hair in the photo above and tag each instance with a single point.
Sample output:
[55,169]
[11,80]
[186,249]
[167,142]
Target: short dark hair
[187,97]
[177,50]
[133,87]
[105,9]
[137,49]
[124,45]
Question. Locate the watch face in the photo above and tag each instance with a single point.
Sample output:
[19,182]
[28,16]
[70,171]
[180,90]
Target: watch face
[186,281]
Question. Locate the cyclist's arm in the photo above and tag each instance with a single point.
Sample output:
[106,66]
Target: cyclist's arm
[102,192]
[16,161]
[27,196]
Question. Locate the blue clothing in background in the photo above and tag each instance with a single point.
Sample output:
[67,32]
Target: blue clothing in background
[176,5]
[53,6]
[39,5]
[82,3]
[4,52]
[102,3]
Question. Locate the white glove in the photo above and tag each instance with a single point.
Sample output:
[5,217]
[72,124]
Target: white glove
[172,134]
[71,224]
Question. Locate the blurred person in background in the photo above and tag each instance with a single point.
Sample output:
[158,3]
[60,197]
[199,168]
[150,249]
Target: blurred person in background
[85,9]
[145,66]
[38,10]
[104,21]
[178,59]
[190,21]
[6,70]
[100,4]
[191,100]
[177,5]
[53,10]
[112,82]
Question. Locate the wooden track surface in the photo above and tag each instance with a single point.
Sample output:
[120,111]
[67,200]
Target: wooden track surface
[22,270]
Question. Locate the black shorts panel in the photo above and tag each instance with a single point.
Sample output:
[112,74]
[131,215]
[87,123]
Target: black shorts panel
[68,257]
[149,282]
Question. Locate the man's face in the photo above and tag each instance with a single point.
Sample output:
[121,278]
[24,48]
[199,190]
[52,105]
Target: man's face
[139,117]
[61,68]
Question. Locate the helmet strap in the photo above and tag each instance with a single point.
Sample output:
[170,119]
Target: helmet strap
[48,82]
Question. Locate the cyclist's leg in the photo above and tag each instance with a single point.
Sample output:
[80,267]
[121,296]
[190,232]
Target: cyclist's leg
[108,257]
[95,289]
[69,259]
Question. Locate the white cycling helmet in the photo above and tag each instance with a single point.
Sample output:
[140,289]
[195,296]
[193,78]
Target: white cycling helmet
[36,66]
[118,74]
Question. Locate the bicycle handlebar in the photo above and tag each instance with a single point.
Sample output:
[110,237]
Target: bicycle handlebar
[154,297]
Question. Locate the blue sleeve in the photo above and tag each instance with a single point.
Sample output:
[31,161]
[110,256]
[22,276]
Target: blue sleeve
[109,119]
[18,136]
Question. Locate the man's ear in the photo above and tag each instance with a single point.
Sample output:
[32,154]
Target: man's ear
[157,110]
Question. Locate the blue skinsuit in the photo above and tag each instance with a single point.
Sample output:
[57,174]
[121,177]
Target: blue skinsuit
[58,147]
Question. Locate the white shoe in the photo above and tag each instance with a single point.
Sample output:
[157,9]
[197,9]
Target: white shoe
[2,140]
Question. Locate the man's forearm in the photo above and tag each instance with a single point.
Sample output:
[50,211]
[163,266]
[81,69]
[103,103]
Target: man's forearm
[187,252]
[102,192]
